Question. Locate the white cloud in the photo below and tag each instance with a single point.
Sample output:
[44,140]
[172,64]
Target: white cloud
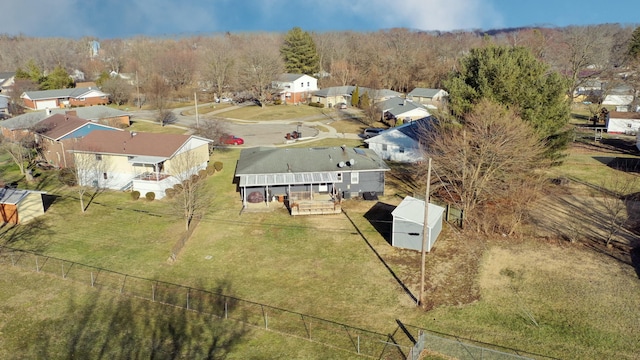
[429,14]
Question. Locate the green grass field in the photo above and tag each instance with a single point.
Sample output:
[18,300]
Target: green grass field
[274,112]
[553,299]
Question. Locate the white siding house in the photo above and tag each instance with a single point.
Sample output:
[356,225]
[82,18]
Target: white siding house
[295,88]
[400,143]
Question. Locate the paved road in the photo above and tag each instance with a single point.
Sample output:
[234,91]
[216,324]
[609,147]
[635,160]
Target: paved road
[257,133]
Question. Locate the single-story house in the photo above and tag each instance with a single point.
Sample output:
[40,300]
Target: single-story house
[20,206]
[295,88]
[20,125]
[50,99]
[59,133]
[429,97]
[342,171]
[623,122]
[408,224]
[7,79]
[343,94]
[144,162]
[399,109]
[401,143]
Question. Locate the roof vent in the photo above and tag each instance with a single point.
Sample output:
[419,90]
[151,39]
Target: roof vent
[341,164]
[351,162]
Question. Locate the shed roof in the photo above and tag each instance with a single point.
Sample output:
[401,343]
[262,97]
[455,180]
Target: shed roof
[14,196]
[412,209]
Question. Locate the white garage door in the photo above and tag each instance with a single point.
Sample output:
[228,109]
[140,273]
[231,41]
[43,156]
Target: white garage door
[46,104]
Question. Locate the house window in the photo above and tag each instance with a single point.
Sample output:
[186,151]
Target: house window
[302,84]
[323,188]
[384,147]
[82,99]
[355,177]
[104,175]
[98,157]
[339,177]
[308,84]
[401,150]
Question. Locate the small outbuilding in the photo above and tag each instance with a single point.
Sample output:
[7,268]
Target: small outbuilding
[408,224]
[19,206]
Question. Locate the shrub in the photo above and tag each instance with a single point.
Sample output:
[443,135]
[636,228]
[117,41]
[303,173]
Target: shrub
[277,101]
[178,187]
[170,193]
[135,195]
[211,170]
[194,179]
[150,195]
[203,173]
[217,165]
[316,104]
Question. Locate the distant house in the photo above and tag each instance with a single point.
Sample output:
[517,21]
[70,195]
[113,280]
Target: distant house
[402,143]
[623,122]
[19,126]
[51,99]
[429,97]
[20,206]
[7,79]
[295,88]
[343,94]
[399,109]
[4,105]
[347,172]
[408,224]
[144,162]
[59,133]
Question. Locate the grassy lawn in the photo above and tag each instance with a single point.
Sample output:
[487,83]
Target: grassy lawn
[152,127]
[555,299]
[274,112]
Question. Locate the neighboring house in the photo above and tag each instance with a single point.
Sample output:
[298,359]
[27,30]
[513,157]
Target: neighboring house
[622,95]
[428,97]
[20,206]
[400,143]
[144,162]
[20,125]
[295,88]
[623,122]
[59,133]
[399,109]
[7,79]
[408,224]
[343,94]
[347,172]
[51,99]
[4,105]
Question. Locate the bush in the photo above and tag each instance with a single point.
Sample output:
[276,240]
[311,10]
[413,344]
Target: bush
[316,104]
[277,101]
[203,173]
[211,170]
[178,187]
[170,193]
[150,195]
[194,179]
[217,165]
[135,195]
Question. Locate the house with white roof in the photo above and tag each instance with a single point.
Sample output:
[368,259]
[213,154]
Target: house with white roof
[402,143]
[295,88]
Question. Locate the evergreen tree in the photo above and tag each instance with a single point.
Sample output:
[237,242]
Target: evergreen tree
[299,52]
[104,77]
[513,77]
[355,97]
[32,72]
[365,102]
[58,79]
[634,44]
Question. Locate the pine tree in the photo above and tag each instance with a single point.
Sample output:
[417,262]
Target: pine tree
[299,52]
[58,79]
[355,97]
[634,44]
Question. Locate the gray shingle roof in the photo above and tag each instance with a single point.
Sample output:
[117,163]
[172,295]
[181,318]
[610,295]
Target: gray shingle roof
[58,93]
[26,121]
[397,106]
[424,92]
[266,160]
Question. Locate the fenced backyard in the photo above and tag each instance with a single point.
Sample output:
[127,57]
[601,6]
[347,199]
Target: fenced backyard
[405,342]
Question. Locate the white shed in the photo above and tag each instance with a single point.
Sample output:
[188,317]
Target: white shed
[408,224]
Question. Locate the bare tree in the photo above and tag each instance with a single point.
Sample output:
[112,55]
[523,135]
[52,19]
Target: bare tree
[212,129]
[261,64]
[613,204]
[89,174]
[21,152]
[119,90]
[219,58]
[191,198]
[488,158]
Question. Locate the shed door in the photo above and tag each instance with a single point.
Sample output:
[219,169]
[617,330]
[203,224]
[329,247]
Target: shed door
[9,213]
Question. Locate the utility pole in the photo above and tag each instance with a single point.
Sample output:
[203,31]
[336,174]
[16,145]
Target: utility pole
[425,235]
[195,96]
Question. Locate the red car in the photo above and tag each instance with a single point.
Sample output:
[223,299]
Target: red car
[231,140]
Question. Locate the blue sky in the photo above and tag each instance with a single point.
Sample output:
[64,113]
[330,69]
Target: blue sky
[127,18]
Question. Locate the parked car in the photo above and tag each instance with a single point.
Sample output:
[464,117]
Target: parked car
[231,140]
[341,105]
[223,100]
[371,132]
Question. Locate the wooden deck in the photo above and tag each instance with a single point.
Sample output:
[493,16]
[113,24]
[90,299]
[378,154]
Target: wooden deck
[321,204]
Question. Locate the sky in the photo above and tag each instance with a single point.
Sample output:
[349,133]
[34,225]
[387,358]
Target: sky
[106,19]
